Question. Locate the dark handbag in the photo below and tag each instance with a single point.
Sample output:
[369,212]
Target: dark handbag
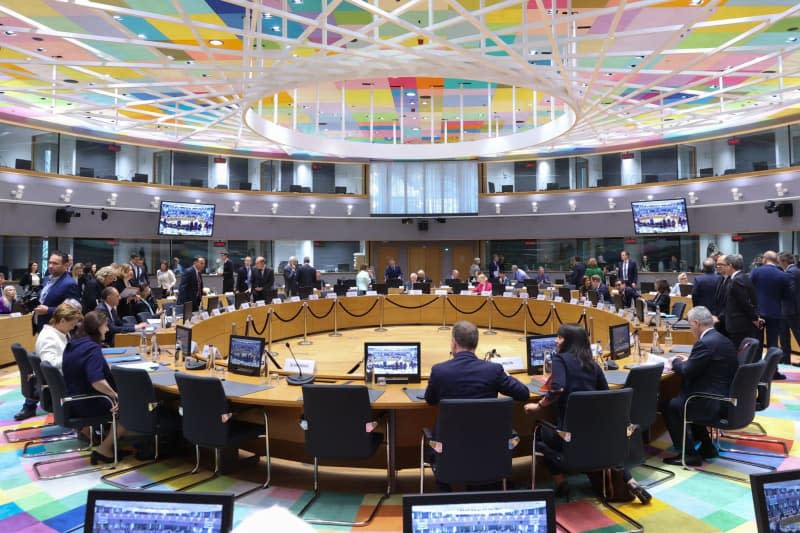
[616,487]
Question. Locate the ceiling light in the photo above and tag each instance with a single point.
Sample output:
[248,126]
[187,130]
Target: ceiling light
[695,2]
[215,42]
[236,205]
[533,52]
[791,40]
[19,192]
[693,197]
[534,207]
[571,205]
[197,200]
[10,33]
[67,196]
[350,209]
[267,15]
[312,209]
[142,36]
[411,93]
[112,200]
[276,29]
[780,190]
[737,195]
[273,209]
[155,202]
[649,196]
[611,203]
[117,17]
[498,208]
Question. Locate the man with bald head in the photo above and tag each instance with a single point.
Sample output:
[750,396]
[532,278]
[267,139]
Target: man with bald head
[773,286]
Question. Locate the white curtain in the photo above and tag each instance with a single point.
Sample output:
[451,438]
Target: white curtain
[424,188]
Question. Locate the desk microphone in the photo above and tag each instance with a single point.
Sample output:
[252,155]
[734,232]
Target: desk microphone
[355,367]
[300,379]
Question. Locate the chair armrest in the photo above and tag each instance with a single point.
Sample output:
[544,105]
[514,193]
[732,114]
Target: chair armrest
[427,434]
[566,436]
[81,397]
[711,396]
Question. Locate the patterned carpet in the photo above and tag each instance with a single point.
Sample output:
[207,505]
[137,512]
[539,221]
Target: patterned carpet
[690,502]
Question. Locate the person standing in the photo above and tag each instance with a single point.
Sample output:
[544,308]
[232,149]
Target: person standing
[578,271]
[263,280]
[166,279]
[59,287]
[363,280]
[191,287]
[306,274]
[290,285]
[542,279]
[773,286]
[518,274]
[741,302]
[244,277]
[791,310]
[475,269]
[393,271]
[495,267]
[705,286]
[227,273]
[627,269]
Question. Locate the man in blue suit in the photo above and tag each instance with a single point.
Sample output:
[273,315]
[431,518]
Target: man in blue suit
[58,287]
[467,377]
[627,270]
[791,304]
[704,290]
[191,287]
[773,286]
[710,368]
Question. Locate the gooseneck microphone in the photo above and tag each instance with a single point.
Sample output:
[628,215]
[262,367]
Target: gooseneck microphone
[271,358]
[355,367]
[299,379]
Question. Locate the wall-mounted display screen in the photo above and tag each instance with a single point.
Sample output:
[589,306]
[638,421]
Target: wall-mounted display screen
[185,219]
[660,216]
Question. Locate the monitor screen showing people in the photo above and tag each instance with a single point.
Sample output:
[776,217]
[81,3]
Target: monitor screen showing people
[660,216]
[396,361]
[620,336]
[185,219]
[245,355]
[776,497]
[540,349]
[183,340]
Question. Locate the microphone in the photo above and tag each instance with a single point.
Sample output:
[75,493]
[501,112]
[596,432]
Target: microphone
[355,367]
[300,379]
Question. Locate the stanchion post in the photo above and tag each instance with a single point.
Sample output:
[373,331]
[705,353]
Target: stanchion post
[524,309]
[335,332]
[380,327]
[490,331]
[552,318]
[444,326]
[270,311]
[305,341]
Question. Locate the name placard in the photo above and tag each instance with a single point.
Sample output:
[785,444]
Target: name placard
[466,292]
[416,292]
[524,295]
[216,312]
[331,296]
[350,294]
[509,362]
[508,294]
[440,292]
[260,303]
[230,308]
[307,365]
[486,293]
[313,297]
[294,299]
[372,293]
[558,299]
[204,315]
[540,296]
[245,305]
[15,315]
[573,301]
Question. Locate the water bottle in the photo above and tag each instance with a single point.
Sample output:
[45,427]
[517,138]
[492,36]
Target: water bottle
[178,354]
[142,344]
[211,357]
[655,348]
[668,336]
[154,353]
[174,316]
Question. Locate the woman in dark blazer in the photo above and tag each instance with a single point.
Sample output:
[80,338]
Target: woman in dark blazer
[574,369]
[662,298]
[87,372]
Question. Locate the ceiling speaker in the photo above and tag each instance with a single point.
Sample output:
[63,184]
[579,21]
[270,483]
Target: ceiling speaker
[422,225]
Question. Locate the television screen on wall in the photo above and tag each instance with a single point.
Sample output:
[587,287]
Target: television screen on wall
[660,216]
[186,220]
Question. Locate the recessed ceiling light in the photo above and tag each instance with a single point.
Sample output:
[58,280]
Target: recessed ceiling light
[10,33]
[142,36]
[41,49]
[215,42]
[267,16]
[189,62]
[411,93]
[276,29]
[695,2]
[69,80]
[117,17]
[533,52]
[791,40]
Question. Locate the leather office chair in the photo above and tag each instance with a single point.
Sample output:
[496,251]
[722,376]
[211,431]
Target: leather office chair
[138,413]
[338,423]
[595,436]
[645,381]
[471,444]
[64,417]
[208,422]
[27,386]
[144,316]
[678,309]
[748,351]
[771,360]
[741,409]
[46,404]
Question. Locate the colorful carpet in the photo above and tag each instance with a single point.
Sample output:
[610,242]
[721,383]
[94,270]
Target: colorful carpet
[691,502]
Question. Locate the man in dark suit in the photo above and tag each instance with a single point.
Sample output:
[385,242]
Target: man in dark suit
[393,271]
[227,273]
[704,290]
[244,276]
[741,302]
[263,280]
[773,285]
[191,287]
[139,271]
[602,290]
[58,287]
[791,304]
[627,294]
[709,368]
[627,270]
[306,274]
[466,376]
[109,301]
[494,267]
[578,271]
[290,286]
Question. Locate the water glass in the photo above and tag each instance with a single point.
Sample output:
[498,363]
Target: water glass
[274,379]
[219,372]
[380,382]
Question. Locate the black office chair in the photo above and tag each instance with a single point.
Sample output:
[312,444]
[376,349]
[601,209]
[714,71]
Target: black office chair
[129,320]
[471,444]
[144,316]
[208,422]
[46,404]
[139,411]
[645,381]
[741,409]
[62,404]
[748,351]
[27,386]
[305,292]
[338,423]
[771,360]
[595,436]
[678,309]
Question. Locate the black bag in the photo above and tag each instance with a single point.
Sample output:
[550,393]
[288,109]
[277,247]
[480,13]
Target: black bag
[616,487]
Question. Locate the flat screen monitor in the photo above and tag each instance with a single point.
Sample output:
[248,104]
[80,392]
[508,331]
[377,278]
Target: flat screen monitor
[23,164]
[539,347]
[457,286]
[185,219]
[398,362]
[517,510]
[686,289]
[620,340]
[776,498]
[140,178]
[565,293]
[86,172]
[647,286]
[340,190]
[240,298]
[593,296]
[425,287]
[188,310]
[212,302]
[394,283]
[660,216]
[138,510]
[183,339]
[245,355]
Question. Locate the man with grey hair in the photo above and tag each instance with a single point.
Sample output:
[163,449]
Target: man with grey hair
[740,313]
[466,376]
[290,277]
[709,368]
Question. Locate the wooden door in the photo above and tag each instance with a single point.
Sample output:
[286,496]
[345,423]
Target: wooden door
[427,257]
[380,258]
[462,256]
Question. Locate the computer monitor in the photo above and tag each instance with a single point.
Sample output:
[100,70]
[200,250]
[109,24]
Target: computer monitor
[539,347]
[507,188]
[491,187]
[647,286]
[245,186]
[380,288]
[137,510]
[397,362]
[425,287]
[188,310]
[305,292]
[183,339]
[640,305]
[517,510]
[240,298]
[776,499]
[295,188]
[245,355]
[620,340]
[140,178]
[760,165]
[617,298]
[394,283]
[565,293]
[457,286]
[340,190]
[212,302]
[86,172]
[593,296]
[706,172]
[23,164]
[686,289]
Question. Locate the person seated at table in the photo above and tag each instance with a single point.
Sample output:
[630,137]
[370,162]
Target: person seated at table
[683,279]
[421,277]
[586,285]
[53,338]
[483,284]
[86,372]
[574,369]
[542,279]
[661,300]
[109,302]
[503,280]
[8,299]
[454,278]
[145,303]
[602,290]
[412,279]
[518,275]
[628,294]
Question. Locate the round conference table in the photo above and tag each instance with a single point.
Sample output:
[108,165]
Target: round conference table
[429,314]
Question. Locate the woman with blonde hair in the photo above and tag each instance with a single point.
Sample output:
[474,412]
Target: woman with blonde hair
[8,299]
[52,339]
